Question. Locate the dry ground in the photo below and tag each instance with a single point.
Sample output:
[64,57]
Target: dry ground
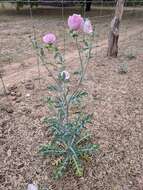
[115,99]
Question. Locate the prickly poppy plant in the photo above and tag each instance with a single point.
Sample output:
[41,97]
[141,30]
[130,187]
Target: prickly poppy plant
[71,142]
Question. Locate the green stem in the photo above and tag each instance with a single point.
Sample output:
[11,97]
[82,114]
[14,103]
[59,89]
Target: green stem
[83,72]
[65,104]
[80,57]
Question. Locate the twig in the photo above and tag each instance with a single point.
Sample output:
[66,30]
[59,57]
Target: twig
[4,88]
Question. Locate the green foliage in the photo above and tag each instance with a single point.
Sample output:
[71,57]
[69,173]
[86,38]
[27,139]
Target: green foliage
[123,68]
[53,88]
[77,97]
[58,57]
[131,56]
[70,143]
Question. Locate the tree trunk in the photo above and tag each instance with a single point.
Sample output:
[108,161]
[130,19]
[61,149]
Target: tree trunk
[88,5]
[114,29]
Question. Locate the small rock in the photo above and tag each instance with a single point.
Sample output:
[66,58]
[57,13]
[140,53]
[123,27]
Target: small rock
[13,98]
[21,165]
[9,153]
[29,85]
[13,93]
[38,105]
[27,95]
[2,178]
[26,110]
[94,94]
[22,81]
[8,109]
[18,100]
[32,187]
[12,88]
[1,135]
[8,92]
[39,115]
[18,94]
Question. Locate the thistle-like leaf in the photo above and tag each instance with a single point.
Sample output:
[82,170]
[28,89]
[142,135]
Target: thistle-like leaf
[83,138]
[53,88]
[59,171]
[49,101]
[59,103]
[54,124]
[78,96]
[87,118]
[77,166]
[51,150]
[88,149]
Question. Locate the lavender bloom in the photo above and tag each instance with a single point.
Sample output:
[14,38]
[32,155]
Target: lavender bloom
[75,22]
[87,27]
[49,38]
[32,187]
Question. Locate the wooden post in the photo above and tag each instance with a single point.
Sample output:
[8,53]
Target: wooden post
[114,29]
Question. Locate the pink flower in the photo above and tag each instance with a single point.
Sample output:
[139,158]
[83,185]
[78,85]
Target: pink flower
[87,27]
[75,22]
[65,75]
[32,187]
[49,38]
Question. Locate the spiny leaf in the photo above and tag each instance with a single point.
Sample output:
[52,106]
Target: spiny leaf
[54,124]
[76,97]
[88,149]
[49,101]
[57,161]
[86,136]
[87,118]
[60,103]
[77,165]
[59,171]
[53,88]
[51,150]
[86,157]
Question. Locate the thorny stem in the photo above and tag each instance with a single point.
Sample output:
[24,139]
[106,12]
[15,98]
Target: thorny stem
[45,65]
[83,71]
[66,104]
[59,85]
[80,57]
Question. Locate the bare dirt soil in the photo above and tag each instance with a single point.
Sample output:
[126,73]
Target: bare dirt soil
[115,99]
